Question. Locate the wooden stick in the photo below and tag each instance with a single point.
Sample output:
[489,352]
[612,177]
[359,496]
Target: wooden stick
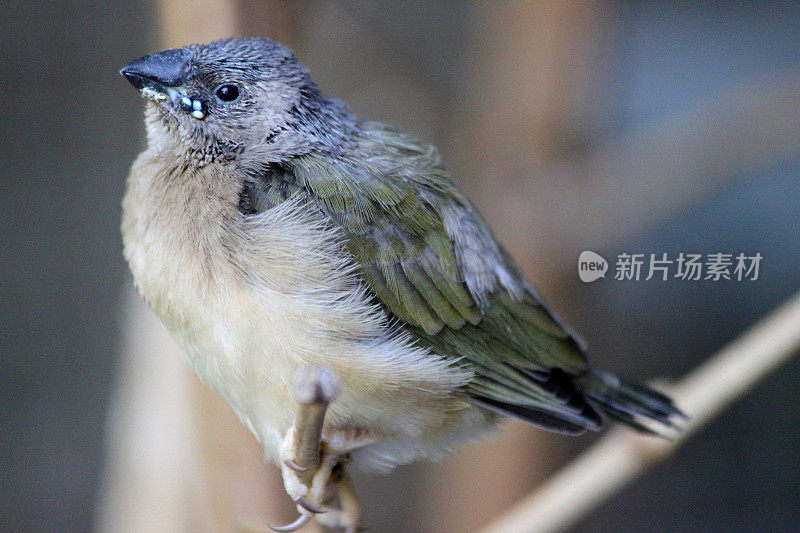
[623,454]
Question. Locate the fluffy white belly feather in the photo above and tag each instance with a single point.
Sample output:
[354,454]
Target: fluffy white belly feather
[253,302]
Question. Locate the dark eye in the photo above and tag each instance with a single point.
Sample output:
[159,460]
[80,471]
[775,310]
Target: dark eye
[227,92]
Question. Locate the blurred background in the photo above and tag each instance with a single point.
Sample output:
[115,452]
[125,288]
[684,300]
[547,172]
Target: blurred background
[612,126]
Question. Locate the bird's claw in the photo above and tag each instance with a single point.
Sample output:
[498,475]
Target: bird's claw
[308,491]
[303,502]
[302,520]
[294,466]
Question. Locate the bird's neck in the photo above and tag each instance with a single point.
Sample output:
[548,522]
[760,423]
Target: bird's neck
[176,220]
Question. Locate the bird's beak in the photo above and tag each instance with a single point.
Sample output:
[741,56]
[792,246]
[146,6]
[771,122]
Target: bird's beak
[161,75]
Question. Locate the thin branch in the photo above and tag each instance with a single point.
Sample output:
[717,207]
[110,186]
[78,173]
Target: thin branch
[622,455]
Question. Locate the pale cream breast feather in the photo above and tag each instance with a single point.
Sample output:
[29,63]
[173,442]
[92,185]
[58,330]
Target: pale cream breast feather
[252,299]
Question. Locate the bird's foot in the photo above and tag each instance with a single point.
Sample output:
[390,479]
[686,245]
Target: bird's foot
[347,514]
[309,488]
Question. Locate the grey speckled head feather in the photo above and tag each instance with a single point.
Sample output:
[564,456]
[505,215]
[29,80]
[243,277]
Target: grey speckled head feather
[276,105]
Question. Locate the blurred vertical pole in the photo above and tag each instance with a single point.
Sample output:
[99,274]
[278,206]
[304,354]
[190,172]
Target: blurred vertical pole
[541,75]
[536,107]
[545,87]
[182,22]
[273,18]
[150,455]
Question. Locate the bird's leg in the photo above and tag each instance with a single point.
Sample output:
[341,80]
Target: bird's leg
[308,455]
[309,487]
[306,486]
[298,479]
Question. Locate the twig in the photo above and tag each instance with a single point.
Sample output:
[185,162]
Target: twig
[622,454]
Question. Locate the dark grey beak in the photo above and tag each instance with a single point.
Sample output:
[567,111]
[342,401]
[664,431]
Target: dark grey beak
[158,71]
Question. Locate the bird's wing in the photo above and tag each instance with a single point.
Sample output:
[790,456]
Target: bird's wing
[431,261]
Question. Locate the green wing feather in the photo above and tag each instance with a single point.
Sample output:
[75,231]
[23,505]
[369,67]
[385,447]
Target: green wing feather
[431,261]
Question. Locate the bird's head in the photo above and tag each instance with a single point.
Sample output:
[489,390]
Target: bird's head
[229,97]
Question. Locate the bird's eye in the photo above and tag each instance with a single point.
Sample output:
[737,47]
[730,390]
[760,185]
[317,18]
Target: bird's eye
[227,92]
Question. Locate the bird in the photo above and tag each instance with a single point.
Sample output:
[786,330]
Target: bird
[272,230]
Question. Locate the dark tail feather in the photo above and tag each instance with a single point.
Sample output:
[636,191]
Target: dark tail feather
[632,404]
[574,425]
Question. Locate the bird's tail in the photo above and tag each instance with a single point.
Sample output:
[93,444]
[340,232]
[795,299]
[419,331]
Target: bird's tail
[635,405]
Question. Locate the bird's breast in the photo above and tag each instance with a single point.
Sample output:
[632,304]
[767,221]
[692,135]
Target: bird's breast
[253,299]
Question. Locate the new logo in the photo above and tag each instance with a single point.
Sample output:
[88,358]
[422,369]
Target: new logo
[591,266]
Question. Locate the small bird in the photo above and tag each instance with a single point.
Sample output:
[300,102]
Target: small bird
[271,231]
